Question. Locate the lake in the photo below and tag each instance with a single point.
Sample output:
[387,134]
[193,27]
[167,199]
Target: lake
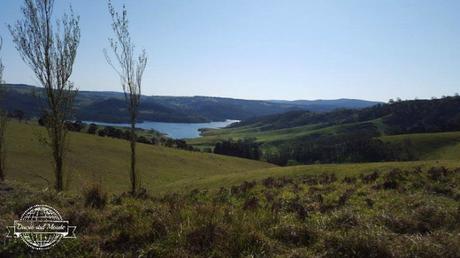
[174,130]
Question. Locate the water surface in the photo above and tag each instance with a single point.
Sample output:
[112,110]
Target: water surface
[174,130]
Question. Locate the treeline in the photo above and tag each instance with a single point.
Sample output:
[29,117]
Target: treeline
[356,139]
[246,148]
[356,143]
[113,132]
[16,114]
[340,151]
[424,116]
[349,144]
[399,117]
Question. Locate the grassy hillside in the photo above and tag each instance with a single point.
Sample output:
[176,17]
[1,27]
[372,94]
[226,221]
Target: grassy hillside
[426,146]
[400,131]
[431,146]
[211,136]
[402,117]
[385,209]
[103,159]
[340,170]
[443,145]
[399,213]
[161,169]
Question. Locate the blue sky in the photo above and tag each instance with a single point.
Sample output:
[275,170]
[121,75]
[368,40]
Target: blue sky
[267,49]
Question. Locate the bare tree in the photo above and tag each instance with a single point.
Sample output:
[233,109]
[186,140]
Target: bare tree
[130,71]
[3,122]
[50,52]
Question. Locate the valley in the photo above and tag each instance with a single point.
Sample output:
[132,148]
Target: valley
[401,131]
[204,204]
[229,129]
[101,160]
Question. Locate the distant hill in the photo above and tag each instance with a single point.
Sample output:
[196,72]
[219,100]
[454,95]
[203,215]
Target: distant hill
[411,116]
[105,106]
[351,135]
[324,105]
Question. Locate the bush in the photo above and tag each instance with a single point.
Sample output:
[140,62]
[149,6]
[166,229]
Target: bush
[370,178]
[297,235]
[251,203]
[358,243]
[202,239]
[438,244]
[92,128]
[94,197]
[437,173]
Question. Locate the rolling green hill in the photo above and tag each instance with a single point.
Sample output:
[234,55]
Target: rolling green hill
[383,209]
[211,136]
[431,146]
[340,170]
[93,158]
[428,146]
[399,131]
[163,169]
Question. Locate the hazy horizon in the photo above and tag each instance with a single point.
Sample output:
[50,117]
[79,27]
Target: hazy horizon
[269,50]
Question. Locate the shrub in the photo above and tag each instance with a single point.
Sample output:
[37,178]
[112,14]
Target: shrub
[246,186]
[142,194]
[401,224]
[277,182]
[297,235]
[251,203]
[349,180]
[392,179]
[94,197]
[202,239]
[298,208]
[327,178]
[345,196]
[222,195]
[344,219]
[370,178]
[437,173]
[357,243]
[271,182]
[390,184]
[431,216]
[369,202]
[443,189]
[438,244]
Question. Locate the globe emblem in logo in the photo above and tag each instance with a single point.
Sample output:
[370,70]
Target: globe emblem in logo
[41,240]
[41,227]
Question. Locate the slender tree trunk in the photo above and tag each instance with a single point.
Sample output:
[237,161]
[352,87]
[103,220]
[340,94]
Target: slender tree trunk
[51,55]
[133,156]
[59,185]
[58,154]
[3,124]
[130,71]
